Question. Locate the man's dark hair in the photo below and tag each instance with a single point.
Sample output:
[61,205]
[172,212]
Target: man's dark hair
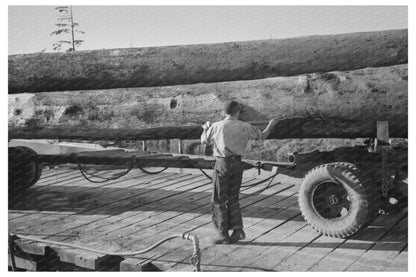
[231,107]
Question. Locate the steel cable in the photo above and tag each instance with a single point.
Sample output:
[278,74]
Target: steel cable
[104,179]
[194,164]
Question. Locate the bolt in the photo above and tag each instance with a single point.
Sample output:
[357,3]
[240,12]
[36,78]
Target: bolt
[333,199]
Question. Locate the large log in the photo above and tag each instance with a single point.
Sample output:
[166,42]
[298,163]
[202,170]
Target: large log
[176,65]
[321,105]
[335,104]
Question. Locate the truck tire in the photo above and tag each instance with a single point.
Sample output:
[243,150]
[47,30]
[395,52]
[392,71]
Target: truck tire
[24,169]
[335,201]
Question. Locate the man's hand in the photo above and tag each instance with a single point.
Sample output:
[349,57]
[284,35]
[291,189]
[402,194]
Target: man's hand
[206,125]
[204,139]
[273,122]
[270,126]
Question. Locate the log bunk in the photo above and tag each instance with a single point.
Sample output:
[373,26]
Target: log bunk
[335,86]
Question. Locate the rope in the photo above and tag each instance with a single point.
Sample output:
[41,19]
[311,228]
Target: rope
[151,172]
[271,178]
[195,259]
[196,165]
[193,163]
[104,179]
[116,176]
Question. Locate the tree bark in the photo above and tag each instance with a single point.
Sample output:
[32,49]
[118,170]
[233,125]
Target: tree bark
[328,105]
[190,64]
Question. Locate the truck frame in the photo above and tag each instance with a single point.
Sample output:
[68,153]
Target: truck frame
[337,198]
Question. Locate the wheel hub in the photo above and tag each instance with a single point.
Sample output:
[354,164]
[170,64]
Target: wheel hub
[333,199]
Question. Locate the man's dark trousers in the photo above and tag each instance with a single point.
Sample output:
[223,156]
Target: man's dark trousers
[225,205]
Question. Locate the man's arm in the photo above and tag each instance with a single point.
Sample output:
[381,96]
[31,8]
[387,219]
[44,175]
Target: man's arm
[269,127]
[205,136]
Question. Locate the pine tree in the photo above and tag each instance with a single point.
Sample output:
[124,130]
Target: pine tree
[67,26]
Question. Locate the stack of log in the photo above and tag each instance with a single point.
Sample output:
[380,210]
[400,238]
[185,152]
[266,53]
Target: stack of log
[335,86]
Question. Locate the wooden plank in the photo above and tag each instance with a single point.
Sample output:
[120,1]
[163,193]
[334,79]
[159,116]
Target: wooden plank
[119,232]
[242,256]
[31,262]
[126,218]
[352,249]
[30,222]
[76,177]
[174,255]
[37,223]
[61,193]
[86,259]
[287,238]
[28,246]
[20,214]
[71,233]
[200,226]
[94,204]
[36,215]
[253,204]
[273,210]
[80,259]
[221,268]
[134,264]
[52,172]
[307,256]
[61,176]
[91,260]
[45,186]
[400,263]
[71,188]
[14,214]
[151,231]
[24,263]
[383,252]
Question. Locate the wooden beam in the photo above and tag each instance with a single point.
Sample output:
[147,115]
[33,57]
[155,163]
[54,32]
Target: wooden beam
[290,128]
[383,132]
[26,263]
[137,264]
[190,64]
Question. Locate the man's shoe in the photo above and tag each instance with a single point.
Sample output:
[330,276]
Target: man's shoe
[221,239]
[237,235]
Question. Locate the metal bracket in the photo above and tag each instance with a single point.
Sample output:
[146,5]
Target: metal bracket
[258,165]
[382,144]
[11,251]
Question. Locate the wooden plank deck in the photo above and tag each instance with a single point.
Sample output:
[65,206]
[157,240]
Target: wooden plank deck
[137,210]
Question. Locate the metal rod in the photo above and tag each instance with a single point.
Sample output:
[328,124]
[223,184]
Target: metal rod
[11,251]
[179,146]
[165,160]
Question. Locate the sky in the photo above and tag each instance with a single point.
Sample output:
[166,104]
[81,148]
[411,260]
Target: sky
[105,27]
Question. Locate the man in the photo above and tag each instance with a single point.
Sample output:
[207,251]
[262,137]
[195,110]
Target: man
[230,137]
